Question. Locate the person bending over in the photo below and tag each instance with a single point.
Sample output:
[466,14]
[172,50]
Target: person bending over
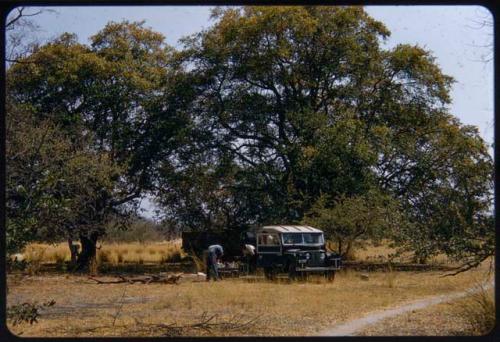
[215,252]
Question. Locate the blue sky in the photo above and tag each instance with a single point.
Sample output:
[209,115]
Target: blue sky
[449,32]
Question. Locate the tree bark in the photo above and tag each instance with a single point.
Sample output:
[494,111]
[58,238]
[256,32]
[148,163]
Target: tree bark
[89,251]
[347,250]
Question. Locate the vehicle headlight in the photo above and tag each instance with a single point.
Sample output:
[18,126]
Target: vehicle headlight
[322,256]
[308,256]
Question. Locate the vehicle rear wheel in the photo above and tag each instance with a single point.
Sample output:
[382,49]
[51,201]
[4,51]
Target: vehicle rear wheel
[270,273]
[330,275]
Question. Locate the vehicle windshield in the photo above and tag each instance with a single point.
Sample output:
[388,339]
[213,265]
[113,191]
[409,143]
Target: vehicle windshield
[292,238]
[302,238]
[312,238]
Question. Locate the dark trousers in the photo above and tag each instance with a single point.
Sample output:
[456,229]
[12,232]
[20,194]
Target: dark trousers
[212,271]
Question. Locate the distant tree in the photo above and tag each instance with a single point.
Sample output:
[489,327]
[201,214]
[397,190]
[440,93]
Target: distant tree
[484,19]
[141,230]
[21,29]
[350,220]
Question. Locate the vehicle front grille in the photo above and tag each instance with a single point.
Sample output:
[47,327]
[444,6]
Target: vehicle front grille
[315,259]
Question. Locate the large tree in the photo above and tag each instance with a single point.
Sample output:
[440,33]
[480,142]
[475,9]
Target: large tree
[304,100]
[57,185]
[109,94]
[445,185]
[296,95]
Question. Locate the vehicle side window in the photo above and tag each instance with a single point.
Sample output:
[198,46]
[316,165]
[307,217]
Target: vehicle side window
[268,240]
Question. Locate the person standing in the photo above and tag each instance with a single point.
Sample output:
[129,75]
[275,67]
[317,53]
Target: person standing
[215,252]
[250,257]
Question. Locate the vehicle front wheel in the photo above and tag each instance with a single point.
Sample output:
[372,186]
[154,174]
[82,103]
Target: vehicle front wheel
[292,274]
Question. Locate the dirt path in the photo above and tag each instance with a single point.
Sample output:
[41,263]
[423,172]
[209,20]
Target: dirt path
[352,327]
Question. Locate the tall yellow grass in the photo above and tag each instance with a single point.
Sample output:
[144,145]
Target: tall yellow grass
[478,312]
[171,251]
[134,252]
[382,252]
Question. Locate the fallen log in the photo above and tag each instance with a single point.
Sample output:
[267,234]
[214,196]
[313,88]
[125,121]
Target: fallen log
[147,279]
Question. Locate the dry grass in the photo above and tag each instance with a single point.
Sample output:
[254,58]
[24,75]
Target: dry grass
[478,312]
[381,252]
[114,253]
[171,251]
[470,316]
[199,263]
[87,309]
[37,252]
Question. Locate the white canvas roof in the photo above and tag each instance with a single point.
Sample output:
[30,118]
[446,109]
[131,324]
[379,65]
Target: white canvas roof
[289,229]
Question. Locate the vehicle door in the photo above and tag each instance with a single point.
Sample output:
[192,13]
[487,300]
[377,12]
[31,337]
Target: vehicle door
[269,249]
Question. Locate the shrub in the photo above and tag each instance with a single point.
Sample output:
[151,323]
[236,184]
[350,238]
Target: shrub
[16,265]
[26,312]
[479,312]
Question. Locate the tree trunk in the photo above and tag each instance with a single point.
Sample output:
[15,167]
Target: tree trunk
[88,254]
[347,252]
[420,257]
